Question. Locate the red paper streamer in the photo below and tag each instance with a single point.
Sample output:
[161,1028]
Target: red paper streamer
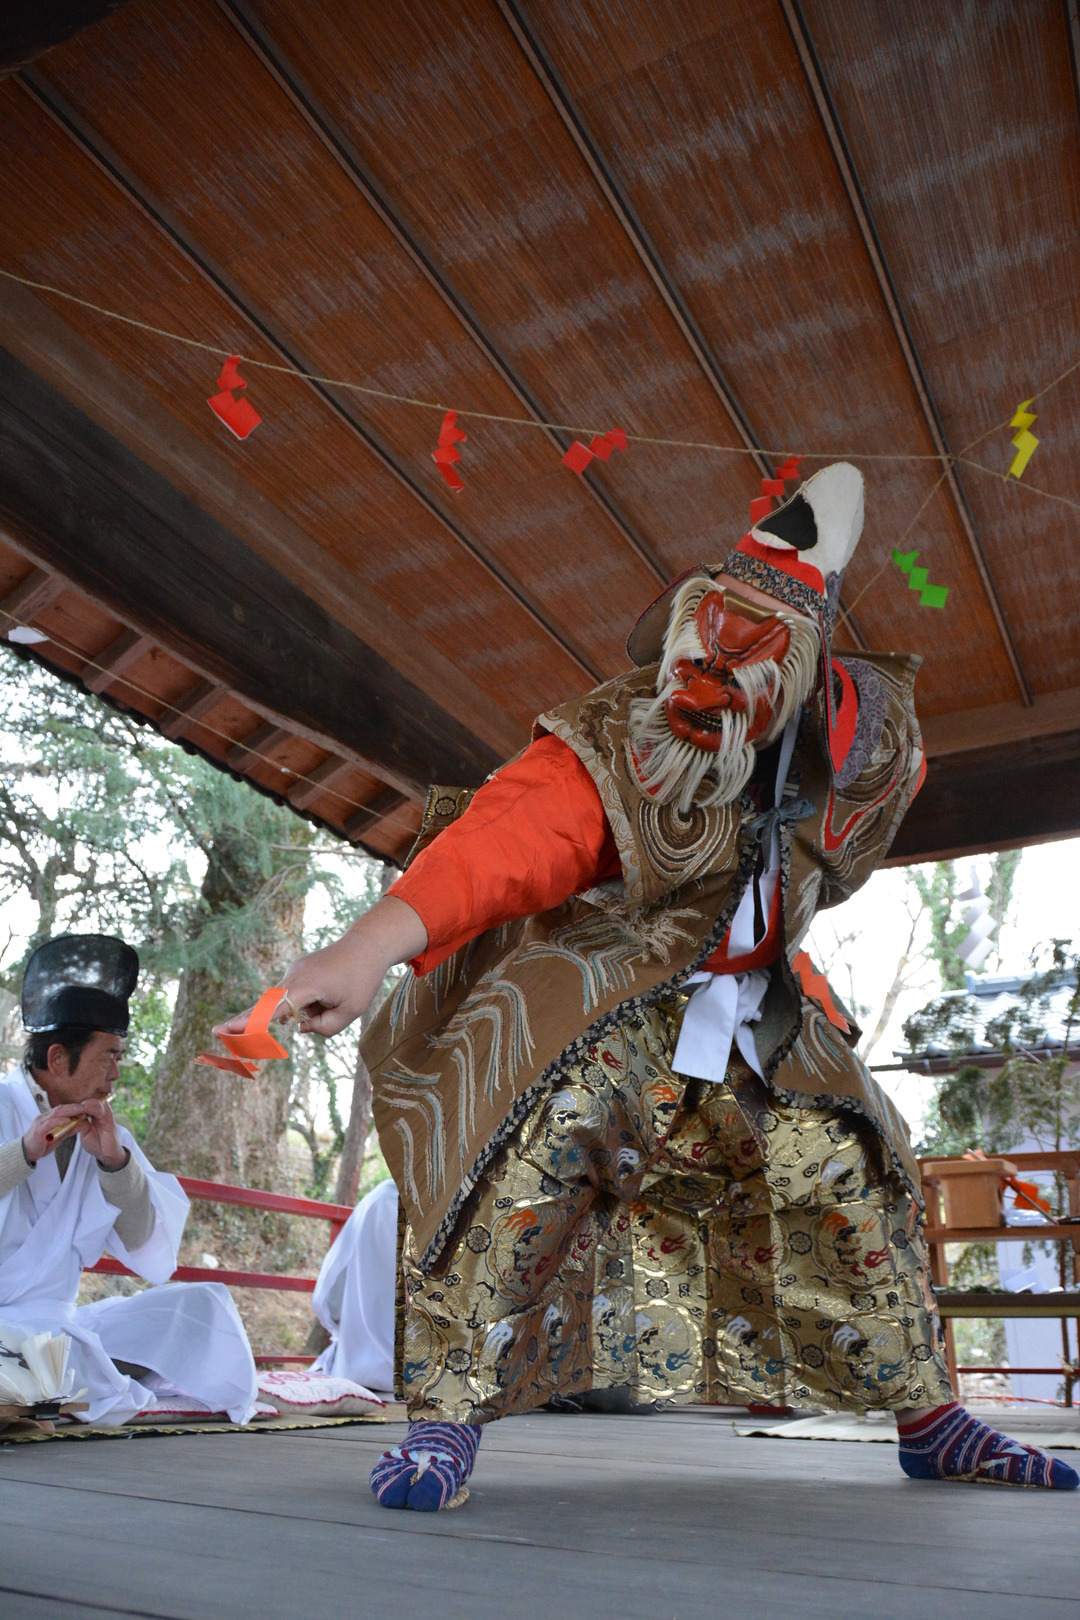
[230,374]
[599,448]
[254,1043]
[238,415]
[578,456]
[761,505]
[444,456]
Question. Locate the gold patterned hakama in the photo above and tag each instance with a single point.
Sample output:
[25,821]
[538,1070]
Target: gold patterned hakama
[687,1241]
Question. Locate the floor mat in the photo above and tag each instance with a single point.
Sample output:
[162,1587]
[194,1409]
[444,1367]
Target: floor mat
[1053,1431]
[21,1433]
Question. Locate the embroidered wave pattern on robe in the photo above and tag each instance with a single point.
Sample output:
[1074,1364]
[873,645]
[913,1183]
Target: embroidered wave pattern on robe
[498,1024]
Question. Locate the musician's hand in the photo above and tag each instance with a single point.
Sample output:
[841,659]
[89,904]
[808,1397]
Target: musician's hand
[100,1137]
[35,1140]
[328,989]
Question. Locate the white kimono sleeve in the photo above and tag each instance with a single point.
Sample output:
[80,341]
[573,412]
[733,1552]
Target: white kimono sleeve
[155,1260]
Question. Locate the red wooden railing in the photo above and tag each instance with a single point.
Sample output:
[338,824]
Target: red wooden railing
[219,1192]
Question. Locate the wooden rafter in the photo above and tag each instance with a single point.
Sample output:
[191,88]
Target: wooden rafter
[153,210]
[830,123]
[30,597]
[344,153]
[636,235]
[321,779]
[257,745]
[122,653]
[188,710]
[372,815]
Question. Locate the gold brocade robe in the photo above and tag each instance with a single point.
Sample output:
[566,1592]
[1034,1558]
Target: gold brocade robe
[459,1056]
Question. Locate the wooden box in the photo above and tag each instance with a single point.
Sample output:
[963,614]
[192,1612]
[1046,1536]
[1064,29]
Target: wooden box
[971,1190]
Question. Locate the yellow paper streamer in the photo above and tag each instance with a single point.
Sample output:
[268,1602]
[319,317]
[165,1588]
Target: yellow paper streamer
[1024,441]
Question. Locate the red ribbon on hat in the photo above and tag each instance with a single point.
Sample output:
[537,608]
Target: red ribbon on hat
[761,505]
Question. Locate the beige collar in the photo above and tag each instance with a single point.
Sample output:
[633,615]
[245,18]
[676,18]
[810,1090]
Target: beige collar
[39,1096]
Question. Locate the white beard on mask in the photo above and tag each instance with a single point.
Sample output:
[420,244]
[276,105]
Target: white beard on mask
[671,768]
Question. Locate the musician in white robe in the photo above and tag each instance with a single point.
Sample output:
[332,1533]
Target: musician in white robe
[355,1293]
[64,1203]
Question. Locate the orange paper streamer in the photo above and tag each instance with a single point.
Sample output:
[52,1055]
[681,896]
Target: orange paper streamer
[254,1043]
[232,1065]
[816,985]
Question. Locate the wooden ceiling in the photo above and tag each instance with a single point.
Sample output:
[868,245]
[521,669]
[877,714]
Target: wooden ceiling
[786,226]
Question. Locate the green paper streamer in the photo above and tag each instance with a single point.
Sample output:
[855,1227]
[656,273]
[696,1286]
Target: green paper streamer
[933,596]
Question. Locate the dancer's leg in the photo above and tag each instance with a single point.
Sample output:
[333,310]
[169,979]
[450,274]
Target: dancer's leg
[505,1320]
[948,1442]
[818,1282]
[833,1241]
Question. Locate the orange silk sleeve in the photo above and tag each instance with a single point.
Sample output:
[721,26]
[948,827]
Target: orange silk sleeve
[534,835]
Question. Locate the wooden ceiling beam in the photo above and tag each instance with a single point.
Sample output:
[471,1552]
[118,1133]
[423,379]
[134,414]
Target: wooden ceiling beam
[1005,796]
[326,130]
[125,650]
[545,72]
[113,166]
[31,596]
[371,816]
[28,29]
[322,779]
[186,711]
[1072,17]
[970,729]
[164,566]
[834,134]
[636,235]
[216,481]
[257,746]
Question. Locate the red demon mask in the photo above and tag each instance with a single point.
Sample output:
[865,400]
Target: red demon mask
[732,640]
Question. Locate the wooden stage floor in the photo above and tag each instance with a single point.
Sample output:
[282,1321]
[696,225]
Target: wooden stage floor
[667,1517]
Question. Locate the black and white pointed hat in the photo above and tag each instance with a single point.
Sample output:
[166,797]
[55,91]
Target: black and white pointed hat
[798,552]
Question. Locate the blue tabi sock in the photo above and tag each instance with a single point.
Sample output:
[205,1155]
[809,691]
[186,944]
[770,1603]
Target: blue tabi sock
[428,1469]
[949,1443]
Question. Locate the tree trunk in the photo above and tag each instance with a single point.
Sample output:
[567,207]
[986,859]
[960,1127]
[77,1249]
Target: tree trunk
[207,1123]
[203,1121]
[351,1162]
[353,1148]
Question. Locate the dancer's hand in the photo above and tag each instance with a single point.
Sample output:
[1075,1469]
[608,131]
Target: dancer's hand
[328,989]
